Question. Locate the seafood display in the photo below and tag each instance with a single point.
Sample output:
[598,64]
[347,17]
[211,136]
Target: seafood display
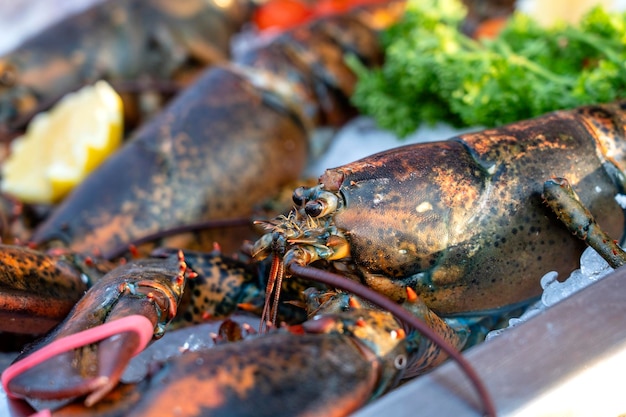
[323,229]
[386,268]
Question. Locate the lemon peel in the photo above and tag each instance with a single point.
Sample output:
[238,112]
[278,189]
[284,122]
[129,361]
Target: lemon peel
[63,145]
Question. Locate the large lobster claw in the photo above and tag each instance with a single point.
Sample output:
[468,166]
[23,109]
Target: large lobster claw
[84,357]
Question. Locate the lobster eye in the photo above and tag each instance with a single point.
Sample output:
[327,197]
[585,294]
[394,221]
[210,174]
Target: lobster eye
[325,204]
[298,197]
[314,208]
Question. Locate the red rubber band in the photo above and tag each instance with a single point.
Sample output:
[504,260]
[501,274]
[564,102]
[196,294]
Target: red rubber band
[137,324]
[42,413]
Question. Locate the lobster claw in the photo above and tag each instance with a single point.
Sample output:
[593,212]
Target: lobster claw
[87,354]
[39,289]
[46,370]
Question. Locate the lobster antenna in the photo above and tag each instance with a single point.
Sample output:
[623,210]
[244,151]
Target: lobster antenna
[176,230]
[338,281]
[279,283]
[277,271]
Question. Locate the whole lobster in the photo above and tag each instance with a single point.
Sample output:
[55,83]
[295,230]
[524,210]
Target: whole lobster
[442,219]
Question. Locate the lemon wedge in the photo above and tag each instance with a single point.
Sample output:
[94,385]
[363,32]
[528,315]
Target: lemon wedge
[63,145]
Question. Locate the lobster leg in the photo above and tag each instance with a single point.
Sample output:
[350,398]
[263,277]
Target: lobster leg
[149,287]
[563,200]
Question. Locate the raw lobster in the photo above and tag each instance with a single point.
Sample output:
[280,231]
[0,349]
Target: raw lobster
[431,227]
[443,218]
[202,158]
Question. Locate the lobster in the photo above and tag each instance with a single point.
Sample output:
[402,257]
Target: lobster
[356,341]
[201,158]
[159,41]
[326,229]
[85,350]
[429,218]
[442,252]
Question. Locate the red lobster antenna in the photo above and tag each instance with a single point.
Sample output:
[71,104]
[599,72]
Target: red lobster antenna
[274,283]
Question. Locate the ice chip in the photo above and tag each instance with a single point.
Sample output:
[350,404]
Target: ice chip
[195,343]
[592,265]
[531,311]
[495,333]
[557,291]
[548,279]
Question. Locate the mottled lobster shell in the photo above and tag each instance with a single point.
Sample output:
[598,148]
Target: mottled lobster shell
[214,152]
[463,221]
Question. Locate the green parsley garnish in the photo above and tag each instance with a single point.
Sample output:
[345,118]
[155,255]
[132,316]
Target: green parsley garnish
[433,72]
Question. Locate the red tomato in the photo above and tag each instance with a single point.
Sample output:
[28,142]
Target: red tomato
[285,14]
[282,14]
[325,7]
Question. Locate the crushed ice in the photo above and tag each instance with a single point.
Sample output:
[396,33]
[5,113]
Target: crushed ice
[592,268]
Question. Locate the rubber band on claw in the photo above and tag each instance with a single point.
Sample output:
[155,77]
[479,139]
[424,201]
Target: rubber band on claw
[42,413]
[137,324]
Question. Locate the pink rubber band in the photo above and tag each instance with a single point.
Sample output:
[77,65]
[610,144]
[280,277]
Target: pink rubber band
[42,413]
[137,324]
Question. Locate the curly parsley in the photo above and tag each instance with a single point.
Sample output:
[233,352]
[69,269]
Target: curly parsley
[433,72]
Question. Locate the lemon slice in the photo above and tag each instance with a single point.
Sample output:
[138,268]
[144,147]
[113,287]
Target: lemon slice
[61,146]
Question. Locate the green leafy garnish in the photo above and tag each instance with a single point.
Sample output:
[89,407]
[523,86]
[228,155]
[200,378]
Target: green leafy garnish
[433,72]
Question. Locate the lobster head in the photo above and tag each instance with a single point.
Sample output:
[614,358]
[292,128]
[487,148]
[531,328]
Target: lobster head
[307,233]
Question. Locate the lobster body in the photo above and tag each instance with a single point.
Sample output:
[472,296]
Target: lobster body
[119,41]
[445,218]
